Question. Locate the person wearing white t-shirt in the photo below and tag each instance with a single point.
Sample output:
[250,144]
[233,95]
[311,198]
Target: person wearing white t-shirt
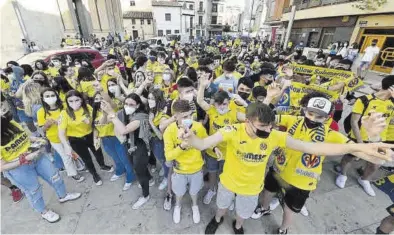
[370,54]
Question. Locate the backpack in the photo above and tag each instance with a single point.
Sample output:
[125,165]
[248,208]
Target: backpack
[347,122]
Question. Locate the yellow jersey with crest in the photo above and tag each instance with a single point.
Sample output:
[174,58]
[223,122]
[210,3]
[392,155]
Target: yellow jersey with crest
[18,145]
[217,121]
[51,133]
[246,158]
[76,127]
[105,129]
[303,170]
[187,161]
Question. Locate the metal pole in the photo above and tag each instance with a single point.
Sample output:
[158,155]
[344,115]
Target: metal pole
[250,20]
[291,20]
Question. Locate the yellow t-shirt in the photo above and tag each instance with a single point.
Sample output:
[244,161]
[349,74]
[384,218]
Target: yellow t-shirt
[158,117]
[382,106]
[104,81]
[217,121]
[169,95]
[129,61]
[103,130]
[303,170]
[17,146]
[158,73]
[52,132]
[246,159]
[218,71]
[76,127]
[390,131]
[236,107]
[54,72]
[69,41]
[187,161]
[4,86]
[88,88]
[237,75]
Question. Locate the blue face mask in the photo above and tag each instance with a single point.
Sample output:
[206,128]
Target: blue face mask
[152,58]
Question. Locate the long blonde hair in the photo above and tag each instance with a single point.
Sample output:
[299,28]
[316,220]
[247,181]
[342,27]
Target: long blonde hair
[31,95]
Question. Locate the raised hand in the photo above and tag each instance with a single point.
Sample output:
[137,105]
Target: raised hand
[374,124]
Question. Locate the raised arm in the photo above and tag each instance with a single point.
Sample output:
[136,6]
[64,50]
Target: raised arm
[202,144]
[204,82]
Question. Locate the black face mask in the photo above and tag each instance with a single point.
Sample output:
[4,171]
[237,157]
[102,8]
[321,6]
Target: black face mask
[96,105]
[268,82]
[262,134]
[41,82]
[243,95]
[311,124]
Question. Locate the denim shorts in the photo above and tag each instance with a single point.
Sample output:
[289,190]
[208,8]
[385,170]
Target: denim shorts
[212,164]
[23,117]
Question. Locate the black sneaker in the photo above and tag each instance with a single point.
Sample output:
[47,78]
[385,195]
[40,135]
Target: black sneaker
[338,169]
[360,171]
[97,180]
[280,231]
[78,178]
[387,169]
[107,168]
[213,226]
[237,231]
[260,211]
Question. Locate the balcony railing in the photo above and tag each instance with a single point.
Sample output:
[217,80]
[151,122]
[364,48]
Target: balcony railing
[201,11]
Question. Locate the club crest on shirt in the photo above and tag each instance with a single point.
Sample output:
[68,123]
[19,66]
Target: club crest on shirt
[310,161]
[228,128]
[263,146]
[226,121]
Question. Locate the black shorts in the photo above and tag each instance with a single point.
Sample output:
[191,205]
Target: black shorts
[294,198]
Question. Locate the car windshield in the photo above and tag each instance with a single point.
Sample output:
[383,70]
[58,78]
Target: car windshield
[32,57]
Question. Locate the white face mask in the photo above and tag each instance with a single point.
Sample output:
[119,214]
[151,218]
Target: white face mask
[166,77]
[129,110]
[56,63]
[50,100]
[173,56]
[223,111]
[180,63]
[152,103]
[188,97]
[76,105]
[182,55]
[114,90]
[162,61]
[78,65]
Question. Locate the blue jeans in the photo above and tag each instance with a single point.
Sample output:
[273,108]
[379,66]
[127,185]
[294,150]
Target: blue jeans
[25,177]
[157,147]
[57,160]
[118,152]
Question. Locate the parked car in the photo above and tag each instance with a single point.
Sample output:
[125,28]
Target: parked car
[157,41]
[66,54]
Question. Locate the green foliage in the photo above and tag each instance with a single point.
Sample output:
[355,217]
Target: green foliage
[369,5]
[227,28]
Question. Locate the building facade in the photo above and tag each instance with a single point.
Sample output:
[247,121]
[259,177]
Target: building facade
[167,17]
[214,17]
[201,16]
[188,18]
[232,17]
[139,24]
[49,21]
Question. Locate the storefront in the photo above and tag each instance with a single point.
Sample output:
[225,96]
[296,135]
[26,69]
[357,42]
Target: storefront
[380,27]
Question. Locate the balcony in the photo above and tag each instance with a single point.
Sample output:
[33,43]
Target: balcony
[200,26]
[201,11]
[304,4]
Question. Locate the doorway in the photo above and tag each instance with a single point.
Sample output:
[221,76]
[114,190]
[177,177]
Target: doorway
[313,38]
[135,34]
[384,62]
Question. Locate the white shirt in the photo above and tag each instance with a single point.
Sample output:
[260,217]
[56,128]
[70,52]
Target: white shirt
[370,53]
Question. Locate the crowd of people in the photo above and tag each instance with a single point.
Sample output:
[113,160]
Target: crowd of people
[211,107]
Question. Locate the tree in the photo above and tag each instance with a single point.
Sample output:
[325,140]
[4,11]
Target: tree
[227,28]
[369,5]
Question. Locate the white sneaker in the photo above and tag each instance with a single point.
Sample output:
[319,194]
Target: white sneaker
[151,183]
[367,187]
[231,208]
[115,178]
[141,201]
[168,202]
[50,216]
[161,172]
[274,203]
[304,211]
[196,214]
[126,186]
[70,197]
[163,184]
[177,214]
[208,197]
[341,181]
[153,169]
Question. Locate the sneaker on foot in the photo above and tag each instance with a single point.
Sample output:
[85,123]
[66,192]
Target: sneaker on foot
[208,197]
[168,202]
[161,172]
[177,214]
[126,186]
[213,225]
[387,169]
[107,168]
[70,197]
[50,216]
[17,194]
[196,214]
[341,181]
[338,169]
[304,211]
[114,177]
[78,178]
[97,180]
[163,184]
[274,203]
[260,211]
[281,231]
[141,201]
[153,169]
[151,183]
[237,230]
[367,187]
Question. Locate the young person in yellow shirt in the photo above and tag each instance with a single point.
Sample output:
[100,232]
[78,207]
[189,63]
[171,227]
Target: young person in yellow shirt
[129,64]
[188,161]
[87,82]
[47,118]
[76,133]
[62,86]
[71,76]
[381,101]
[219,115]
[249,146]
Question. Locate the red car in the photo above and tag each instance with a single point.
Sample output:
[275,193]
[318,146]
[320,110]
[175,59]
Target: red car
[66,54]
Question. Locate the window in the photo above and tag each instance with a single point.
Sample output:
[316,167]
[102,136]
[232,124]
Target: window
[132,3]
[160,33]
[327,36]
[191,7]
[80,56]
[168,31]
[221,8]
[148,21]
[219,20]
[198,33]
[132,21]
[187,30]
[200,20]
[91,56]
[272,10]
[142,21]
[168,17]
[203,33]
[176,31]
[201,6]
[214,7]
[214,20]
